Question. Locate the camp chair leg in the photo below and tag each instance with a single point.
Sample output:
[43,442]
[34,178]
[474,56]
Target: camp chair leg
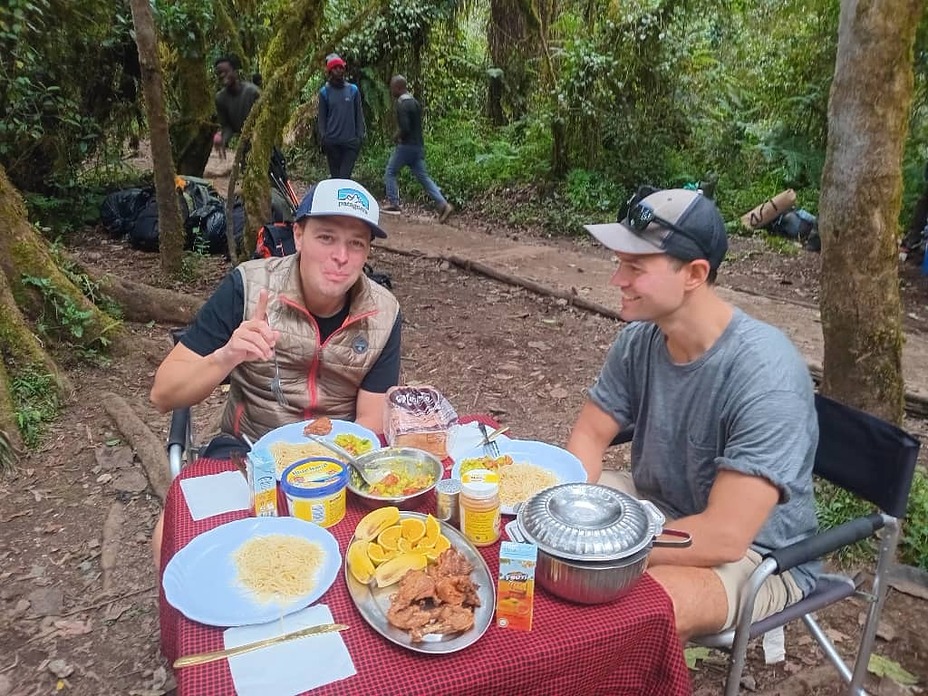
[739,646]
[890,539]
[834,657]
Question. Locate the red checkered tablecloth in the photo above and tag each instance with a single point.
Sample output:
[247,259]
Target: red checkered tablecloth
[625,647]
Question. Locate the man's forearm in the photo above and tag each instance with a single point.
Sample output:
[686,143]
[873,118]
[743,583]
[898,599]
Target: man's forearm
[181,383]
[590,454]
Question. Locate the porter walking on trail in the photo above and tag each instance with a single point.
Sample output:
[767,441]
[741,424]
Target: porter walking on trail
[409,152]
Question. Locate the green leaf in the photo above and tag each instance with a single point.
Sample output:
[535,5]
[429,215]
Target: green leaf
[113,441]
[693,655]
[884,667]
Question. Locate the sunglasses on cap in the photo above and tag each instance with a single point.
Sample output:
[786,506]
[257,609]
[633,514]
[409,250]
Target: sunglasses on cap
[639,215]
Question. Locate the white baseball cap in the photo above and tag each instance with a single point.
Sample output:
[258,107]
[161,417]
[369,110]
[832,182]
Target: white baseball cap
[341,198]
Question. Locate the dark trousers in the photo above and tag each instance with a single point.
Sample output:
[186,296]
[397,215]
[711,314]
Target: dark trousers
[341,158]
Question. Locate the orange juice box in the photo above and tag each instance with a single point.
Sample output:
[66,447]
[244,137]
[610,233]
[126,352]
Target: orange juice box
[261,472]
[515,590]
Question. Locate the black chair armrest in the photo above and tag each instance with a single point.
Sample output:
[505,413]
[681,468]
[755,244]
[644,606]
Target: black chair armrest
[177,435]
[623,436]
[825,542]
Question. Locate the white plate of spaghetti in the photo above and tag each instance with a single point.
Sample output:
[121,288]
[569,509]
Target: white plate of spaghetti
[251,571]
[526,467]
[288,444]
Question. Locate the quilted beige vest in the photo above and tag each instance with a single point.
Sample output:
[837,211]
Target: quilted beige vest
[317,379]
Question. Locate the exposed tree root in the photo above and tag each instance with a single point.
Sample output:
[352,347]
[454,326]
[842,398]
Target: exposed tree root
[148,447]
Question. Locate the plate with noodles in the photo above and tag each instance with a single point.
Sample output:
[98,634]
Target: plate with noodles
[252,571]
[525,468]
[289,444]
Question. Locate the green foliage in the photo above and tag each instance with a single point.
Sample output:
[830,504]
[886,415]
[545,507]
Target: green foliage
[66,79]
[836,506]
[65,322]
[35,401]
[913,548]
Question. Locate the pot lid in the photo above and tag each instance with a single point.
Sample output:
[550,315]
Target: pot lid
[588,522]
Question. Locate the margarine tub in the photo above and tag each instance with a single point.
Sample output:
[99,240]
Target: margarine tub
[315,490]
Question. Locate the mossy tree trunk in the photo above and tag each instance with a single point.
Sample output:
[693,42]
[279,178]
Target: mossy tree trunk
[299,27]
[192,136]
[861,195]
[170,227]
[33,288]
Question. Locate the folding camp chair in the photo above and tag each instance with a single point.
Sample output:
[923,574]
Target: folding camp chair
[180,443]
[875,461]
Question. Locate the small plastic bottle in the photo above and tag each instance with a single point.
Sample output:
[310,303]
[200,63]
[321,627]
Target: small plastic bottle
[479,506]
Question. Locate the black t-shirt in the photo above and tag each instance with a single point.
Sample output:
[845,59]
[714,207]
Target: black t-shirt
[222,313]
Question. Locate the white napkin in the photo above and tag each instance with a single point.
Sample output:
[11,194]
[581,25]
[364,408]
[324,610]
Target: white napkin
[291,667]
[464,440]
[215,494]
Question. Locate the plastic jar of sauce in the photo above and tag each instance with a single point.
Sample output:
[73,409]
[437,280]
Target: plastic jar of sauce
[479,506]
[315,490]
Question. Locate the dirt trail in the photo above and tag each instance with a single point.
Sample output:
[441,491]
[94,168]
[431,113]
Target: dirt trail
[580,269]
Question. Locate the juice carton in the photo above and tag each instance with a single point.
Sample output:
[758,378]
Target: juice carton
[515,590]
[261,470]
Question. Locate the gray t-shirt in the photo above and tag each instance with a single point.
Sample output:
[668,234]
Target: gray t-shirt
[746,405]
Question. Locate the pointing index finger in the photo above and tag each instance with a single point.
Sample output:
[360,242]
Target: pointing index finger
[261,306]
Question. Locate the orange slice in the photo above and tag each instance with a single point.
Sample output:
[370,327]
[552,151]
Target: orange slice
[432,532]
[376,553]
[441,544]
[413,529]
[389,537]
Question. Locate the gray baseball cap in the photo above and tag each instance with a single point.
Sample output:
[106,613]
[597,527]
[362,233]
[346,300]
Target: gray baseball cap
[677,222]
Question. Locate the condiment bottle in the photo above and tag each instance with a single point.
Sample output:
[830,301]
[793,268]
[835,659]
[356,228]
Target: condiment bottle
[479,506]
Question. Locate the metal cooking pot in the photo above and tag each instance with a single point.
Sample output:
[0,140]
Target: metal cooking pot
[593,541]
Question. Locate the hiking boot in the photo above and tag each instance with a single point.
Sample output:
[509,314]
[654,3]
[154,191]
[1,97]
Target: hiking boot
[390,209]
[445,212]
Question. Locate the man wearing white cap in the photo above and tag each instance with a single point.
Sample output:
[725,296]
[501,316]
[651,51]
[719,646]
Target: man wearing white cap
[723,410]
[334,333]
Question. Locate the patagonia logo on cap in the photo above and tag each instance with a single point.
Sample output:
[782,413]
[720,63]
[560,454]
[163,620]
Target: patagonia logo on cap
[352,198]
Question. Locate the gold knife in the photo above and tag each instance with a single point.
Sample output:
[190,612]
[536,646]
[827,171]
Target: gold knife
[202,658]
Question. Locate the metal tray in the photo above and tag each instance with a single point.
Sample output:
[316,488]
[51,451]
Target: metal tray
[373,603]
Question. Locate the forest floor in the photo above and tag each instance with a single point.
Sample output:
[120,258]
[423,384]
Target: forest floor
[67,626]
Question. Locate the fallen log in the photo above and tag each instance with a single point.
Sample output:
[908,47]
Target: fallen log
[915,404]
[148,447]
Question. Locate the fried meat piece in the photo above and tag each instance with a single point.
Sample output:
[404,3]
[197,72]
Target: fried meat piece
[414,586]
[320,426]
[451,562]
[440,599]
[457,590]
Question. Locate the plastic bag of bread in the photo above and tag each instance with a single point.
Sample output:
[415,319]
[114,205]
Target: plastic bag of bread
[418,417]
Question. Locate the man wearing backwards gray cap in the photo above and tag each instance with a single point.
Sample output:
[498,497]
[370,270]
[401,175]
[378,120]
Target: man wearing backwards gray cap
[723,409]
[335,333]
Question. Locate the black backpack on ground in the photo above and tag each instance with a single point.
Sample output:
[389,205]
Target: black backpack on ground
[120,209]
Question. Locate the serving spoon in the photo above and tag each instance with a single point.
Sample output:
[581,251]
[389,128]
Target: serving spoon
[371,476]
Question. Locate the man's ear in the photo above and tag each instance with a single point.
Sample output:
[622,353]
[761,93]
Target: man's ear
[298,229]
[697,273]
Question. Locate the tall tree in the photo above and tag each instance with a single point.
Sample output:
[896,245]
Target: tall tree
[868,115]
[170,226]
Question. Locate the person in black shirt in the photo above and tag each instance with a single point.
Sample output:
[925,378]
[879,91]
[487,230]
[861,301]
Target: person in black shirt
[409,152]
[233,101]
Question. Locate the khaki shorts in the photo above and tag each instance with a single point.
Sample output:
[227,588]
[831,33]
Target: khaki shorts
[778,592]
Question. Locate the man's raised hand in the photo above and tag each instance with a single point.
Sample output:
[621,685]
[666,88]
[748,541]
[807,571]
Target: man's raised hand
[253,339]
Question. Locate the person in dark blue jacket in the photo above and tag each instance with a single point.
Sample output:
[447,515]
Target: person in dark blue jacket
[341,119]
